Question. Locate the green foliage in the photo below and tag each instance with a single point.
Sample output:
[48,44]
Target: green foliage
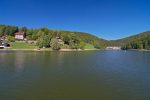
[23,29]
[11,38]
[140,41]
[73,45]
[2,30]
[93,40]
[22,45]
[66,38]
[32,34]
[8,30]
[82,45]
[89,46]
[43,36]
[43,40]
[45,30]
[54,44]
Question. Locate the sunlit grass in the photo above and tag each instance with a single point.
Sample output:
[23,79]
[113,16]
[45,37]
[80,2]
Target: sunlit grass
[22,45]
[89,46]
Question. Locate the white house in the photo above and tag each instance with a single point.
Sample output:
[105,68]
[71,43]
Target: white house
[20,35]
[113,48]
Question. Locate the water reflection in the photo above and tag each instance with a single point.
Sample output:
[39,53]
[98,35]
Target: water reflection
[3,56]
[97,75]
[60,58]
[19,62]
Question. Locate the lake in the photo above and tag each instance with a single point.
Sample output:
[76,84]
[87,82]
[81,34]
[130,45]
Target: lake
[88,75]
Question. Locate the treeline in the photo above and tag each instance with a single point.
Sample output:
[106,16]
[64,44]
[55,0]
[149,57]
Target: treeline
[8,30]
[73,40]
[51,38]
[140,41]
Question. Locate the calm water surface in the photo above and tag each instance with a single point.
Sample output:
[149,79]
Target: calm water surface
[89,75]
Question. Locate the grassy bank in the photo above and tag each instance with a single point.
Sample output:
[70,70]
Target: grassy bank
[22,45]
[27,47]
[89,46]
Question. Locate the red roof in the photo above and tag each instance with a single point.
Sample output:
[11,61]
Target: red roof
[19,33]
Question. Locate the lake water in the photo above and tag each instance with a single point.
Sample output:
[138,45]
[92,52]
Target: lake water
[89,75]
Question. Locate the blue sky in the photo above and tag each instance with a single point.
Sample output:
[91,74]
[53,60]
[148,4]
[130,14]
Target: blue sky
[108,19]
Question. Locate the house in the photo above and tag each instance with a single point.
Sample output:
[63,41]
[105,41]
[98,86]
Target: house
[20,35]
[60,41]
[113,48]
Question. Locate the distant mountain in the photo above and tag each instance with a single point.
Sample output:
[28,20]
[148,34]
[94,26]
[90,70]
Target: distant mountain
[91,39]
[139,41]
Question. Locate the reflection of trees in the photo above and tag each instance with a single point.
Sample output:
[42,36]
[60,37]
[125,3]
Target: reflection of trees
[19,62]
[60,57]
[3,57]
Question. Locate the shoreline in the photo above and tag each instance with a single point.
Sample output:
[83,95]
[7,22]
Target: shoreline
[69,50]
[61,50]
[79,49]
[139,50]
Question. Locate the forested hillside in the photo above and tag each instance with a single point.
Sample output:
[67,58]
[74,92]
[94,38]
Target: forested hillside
[47,38]
[74,40]
[140,41]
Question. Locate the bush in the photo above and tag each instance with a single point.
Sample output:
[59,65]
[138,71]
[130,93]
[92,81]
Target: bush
[11,39]
[43,41]
[54,44]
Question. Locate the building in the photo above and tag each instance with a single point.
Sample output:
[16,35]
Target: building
[20,35]
[113,48]
[60,41]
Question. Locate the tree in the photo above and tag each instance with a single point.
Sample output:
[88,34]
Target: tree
[45,30]
[66,38]
[44,35]
[43,41]
[23,29]
[82,45]
[54,44]
[11,38]
[10,30]
[2,29]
